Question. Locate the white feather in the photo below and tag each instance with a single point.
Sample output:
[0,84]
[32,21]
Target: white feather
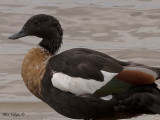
[79,85]
[109,97]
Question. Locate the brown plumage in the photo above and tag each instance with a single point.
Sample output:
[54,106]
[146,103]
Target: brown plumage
[33,68]
[136,77]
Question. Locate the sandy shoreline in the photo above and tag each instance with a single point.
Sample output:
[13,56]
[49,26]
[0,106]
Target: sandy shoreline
[28,111]
[25,107]
[41,111]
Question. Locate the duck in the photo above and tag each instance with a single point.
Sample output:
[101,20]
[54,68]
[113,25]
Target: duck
[81,83]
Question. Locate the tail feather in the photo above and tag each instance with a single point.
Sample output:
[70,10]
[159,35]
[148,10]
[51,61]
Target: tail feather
[155,108]
[140,99]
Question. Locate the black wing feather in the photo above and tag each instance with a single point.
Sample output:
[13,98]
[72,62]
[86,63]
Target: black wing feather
[140,99]
[155,108]
[84,63]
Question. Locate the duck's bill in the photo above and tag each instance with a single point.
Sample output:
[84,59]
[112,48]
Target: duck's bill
[20,34]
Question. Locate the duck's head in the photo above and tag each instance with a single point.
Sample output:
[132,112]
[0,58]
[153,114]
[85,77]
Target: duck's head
[46,27]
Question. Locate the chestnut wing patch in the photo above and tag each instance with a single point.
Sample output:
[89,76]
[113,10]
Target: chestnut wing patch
[137,75]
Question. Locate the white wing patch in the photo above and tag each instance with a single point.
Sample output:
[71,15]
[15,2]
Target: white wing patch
[109,97]
[77,85]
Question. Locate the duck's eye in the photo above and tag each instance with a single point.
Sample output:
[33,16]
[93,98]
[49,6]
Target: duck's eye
[35,22]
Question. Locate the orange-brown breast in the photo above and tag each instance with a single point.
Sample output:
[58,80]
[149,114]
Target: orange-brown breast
[33,69]
[136,77]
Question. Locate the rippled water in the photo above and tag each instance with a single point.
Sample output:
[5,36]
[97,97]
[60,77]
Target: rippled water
[124,29]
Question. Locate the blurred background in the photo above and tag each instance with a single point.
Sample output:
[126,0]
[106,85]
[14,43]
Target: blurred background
[124,29]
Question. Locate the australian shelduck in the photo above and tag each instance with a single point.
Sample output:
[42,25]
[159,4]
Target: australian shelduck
[81,83]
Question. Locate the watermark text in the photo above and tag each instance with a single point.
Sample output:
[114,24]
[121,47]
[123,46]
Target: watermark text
[6,114]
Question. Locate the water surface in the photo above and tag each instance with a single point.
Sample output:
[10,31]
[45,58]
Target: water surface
[124,29]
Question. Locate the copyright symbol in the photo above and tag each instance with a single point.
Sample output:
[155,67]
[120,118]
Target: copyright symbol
[23,114]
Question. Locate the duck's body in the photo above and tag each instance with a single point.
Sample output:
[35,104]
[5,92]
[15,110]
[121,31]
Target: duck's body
[82,83]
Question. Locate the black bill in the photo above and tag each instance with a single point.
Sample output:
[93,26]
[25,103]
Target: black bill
[20,34]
